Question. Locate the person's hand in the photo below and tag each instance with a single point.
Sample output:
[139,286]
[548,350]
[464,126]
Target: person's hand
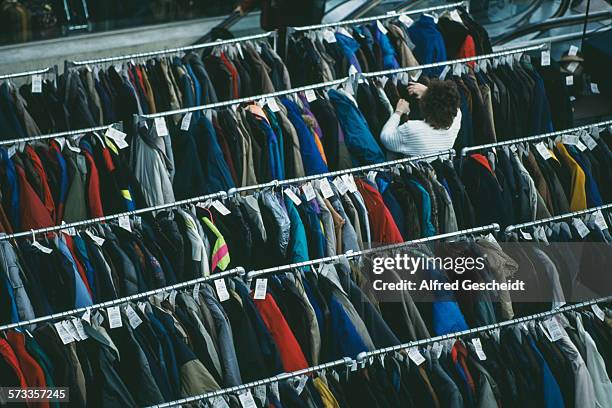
[415,88]
[239,10]
[402,107]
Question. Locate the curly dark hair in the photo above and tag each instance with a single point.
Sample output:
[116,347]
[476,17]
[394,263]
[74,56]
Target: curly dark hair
[439,104]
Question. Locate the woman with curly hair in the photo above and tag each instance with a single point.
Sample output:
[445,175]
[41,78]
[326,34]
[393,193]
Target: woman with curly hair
[439,103]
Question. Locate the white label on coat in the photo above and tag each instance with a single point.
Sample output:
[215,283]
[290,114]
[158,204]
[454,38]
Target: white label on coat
[69,327]
[87,316]
[292,196]
[588,141]
[114,317]
[352,71]
[36,84]
[544,152]
[415,355]
[527,236]
[78,325]
[99,241]
[545,58]
[415,75]
[261,288]
[573,50]
[478,347]
[594,88]
[172,297]
[600,220]
[196,293]
[381,27]
[11,151]
[309,192]
[406,20]
[261,394]
[598,312]
[63,334]
[340,185]
[554,329]
[246,400]
[569,80]
[133,319]
[572,67]
[329,36]
[581,227]
[274,388]
[444,72]
[218,402]
[437,349]
[161,127]
[273,105]
[325,188]
[383,80]
[581,146]
[454,15]
[218,205]
[349,180]
[124,222]
[571,140]
[222,292]
[186,122]
[41,247]
[301,383]
[310,95]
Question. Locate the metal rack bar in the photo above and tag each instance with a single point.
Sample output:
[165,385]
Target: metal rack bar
[28,73]
[338,82]
[363,356]
[457,61]
[288,267]
[511,228]
[390,15]
[346,361]
[221,194]
[465,150]
[59,134]
[171,50]
[61,315]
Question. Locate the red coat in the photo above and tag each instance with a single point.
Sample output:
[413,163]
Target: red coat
[383,229]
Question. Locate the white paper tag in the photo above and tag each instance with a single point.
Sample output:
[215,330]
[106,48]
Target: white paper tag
[527,236]
[114,317]
[196,293]
[41,247]
[218,205]
[581,227]
[571,140]
[132,316]
[99,241]
[261,288]
[78,325]
[478,348]
[381,27]
[573,50]
[186,122]
[325,188]
[554,329]
[301,383]
[454,15]
[352,71]
[172,298]
[598,312]
[589,141]
[161,127]
[437,349]
[310,95]
[246,400]
[569,80]
[545,58]
[36,84]
[11,151]
[222,292]
[581,146]
[275,391]
[600,220]
[273,105]
[406,20]
[544,152]
[292,196]
[340,185]
[444,72]
[87,316]
[218,402]
[572,67]
[594,88]
[261,394]
[309,192]
[595,131]
[416,356]
[124,222]
[415,75]
[63,334]
[71,330]
[349,180]
[328,35]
